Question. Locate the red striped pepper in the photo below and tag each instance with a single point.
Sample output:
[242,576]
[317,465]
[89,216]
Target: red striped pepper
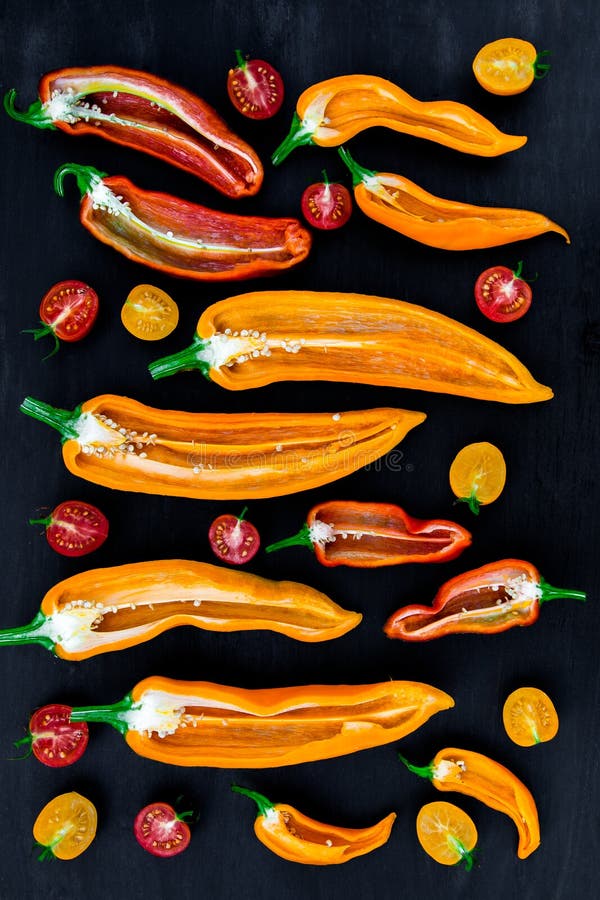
[149,114]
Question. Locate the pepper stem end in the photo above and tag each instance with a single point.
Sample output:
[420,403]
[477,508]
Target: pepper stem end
[63,420]
[301,539]
[86,177]
[263,804]
[183,361]
[36,115]
[358,172]
[548,592]
[298,135]
[422,771]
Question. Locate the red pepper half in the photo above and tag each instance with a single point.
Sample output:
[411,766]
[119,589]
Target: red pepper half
[367,535]
[179,237]
[148,114]
[493,598]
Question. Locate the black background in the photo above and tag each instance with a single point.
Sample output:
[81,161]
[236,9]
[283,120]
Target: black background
[546,513]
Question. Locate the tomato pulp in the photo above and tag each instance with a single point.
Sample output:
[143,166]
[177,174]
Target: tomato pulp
[255,88]
[74,528]
[233,539]
[161,831]
[326,205]
[501,294]
[67,311]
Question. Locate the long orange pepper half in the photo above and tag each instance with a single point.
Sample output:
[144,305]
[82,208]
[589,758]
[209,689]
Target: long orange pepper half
[263,337]
[484,779]
[402,205]
[188,723]
[119,443]
[330,112]
[121,606]
[293,836]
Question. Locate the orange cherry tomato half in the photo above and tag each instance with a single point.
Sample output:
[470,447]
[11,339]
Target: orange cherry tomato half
[529,717]
[508,66]
[161,831]
[233,539]
[67,312]
[502,295]
[478,475]
[54,740]
[149,313]
[447,834]
[255,88]
[326,205]
[74,528]
[66,826]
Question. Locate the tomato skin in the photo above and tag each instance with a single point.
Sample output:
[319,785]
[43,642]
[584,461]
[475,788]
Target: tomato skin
[75,528]
[55,740]
[255,88]
[326,205]
[501,295]
[160,831]
[233,539]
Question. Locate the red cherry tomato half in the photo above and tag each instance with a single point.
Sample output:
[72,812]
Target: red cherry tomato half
[74,528]
[255,88]
[67,312]
[326,205]
[233,539]
[161,831]
[502,295]
[54,739]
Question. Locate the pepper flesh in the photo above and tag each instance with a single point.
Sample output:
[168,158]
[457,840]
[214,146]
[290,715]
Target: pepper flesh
[403,206]
[487,600]
[263,337]
[330,112]
[293,836]
[149,114]
[120,443]
[182,238]
[203,724]
[367,535]
[118,607]
[484,779]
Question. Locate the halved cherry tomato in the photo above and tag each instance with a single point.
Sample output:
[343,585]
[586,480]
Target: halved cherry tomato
[255,88]
[53,738]
[233,539]
[74,528]
[447,833]
[67,312]
[161,831]
[501,294]
[326,205]
[478,475]
[529,717]
[66,826]
[508,66]
[149,313]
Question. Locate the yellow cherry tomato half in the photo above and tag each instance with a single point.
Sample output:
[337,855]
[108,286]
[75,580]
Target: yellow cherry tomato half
[149,313]
[478,475]
[508,66]
[447,833]
[66,826]
[529,717]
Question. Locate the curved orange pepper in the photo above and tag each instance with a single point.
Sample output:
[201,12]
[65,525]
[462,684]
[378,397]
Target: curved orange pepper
[332,111]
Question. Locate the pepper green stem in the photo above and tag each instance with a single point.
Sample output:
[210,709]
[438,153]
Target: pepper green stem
[241,62]
[87,178]
[263,804]
[472,502]
[554,593]
[422,771]
[63,420]
[299,134]
[302,539]
[183,361]
[28,634]
[541,69]
[358,172]
[110,715]
[36,115]
[42,332]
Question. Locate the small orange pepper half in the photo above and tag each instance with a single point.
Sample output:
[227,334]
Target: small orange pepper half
[292,835]
[405,207]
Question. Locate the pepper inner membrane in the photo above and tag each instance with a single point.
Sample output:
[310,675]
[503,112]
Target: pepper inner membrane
[498,604]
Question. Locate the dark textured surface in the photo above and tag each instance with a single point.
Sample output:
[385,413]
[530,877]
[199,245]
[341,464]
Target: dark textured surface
[547,513]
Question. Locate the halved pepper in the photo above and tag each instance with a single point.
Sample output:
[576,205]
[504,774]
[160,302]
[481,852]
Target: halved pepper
[487,600]
[292,835]
[121,606]
[366,535]
[188,723]
[149,114]
[262,337]
[402,205]
[120,443]
[179,237]
[332,111]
